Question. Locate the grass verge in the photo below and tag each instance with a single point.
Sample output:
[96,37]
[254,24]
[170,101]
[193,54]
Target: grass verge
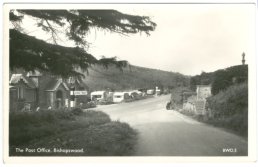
[57,133]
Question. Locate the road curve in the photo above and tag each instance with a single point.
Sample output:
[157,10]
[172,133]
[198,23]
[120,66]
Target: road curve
[168,133]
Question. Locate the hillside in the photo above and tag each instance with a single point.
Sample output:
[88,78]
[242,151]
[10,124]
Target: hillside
[132,77]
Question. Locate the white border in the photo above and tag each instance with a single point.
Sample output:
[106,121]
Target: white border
[252,140]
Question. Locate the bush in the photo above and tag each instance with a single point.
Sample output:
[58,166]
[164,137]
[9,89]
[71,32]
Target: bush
[105,102]
[232,101]
[90,104]
[110,139]
[91,130]
[230,108]
[77,111]
[27,126]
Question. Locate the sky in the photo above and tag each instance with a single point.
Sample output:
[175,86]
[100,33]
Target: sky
[189,38]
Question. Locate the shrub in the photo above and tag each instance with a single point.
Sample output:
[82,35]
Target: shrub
[77,111]
[91,130]
[230,108]
[110,139]
[27,126]
[105,102]
[90,104]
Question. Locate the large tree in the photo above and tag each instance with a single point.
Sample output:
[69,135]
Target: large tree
[30,53]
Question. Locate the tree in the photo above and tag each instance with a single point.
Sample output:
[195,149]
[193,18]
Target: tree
[30,53]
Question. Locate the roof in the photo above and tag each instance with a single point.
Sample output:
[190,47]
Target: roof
[119,93]
[189,93]
[203,85]
[34,74]
[16,78]
[10,87]
[98,93]
[54,84]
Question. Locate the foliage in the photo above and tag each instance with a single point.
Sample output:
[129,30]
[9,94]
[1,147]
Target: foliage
[31,54]
[27,126]
[225,78]
[110,139]
[91,130]
[133,77]
[177,95]
[87,105]
[105,102]
[77,111]
[231,101]
[221,79]
[230,108]
[202,79]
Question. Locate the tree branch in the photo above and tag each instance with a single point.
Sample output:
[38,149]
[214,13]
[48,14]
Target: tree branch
[53,31]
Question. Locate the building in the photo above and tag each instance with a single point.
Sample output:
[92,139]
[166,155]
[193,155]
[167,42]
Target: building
[195,102]
[22,90]
[43,90]
[203,91]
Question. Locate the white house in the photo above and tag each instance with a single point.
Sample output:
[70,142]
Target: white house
[120,96]
[203,91]
[98,95]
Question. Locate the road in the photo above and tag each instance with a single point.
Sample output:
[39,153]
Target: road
[168,133]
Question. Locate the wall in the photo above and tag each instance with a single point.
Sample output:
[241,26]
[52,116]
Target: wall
[190,107]
[43,82]
[203,92]
[29,96]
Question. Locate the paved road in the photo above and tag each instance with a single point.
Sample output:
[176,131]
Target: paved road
[168,133]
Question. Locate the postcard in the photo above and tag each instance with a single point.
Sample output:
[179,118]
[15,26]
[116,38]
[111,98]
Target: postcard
[143,82]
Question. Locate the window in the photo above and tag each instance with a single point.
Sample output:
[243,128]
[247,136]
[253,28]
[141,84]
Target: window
[97,96]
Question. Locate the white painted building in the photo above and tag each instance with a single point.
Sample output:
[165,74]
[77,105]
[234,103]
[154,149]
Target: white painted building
[203,91]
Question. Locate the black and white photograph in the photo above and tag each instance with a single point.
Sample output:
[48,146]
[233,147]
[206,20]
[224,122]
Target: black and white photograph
[130,80]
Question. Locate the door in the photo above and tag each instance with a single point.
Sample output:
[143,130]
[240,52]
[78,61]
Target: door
[59,99]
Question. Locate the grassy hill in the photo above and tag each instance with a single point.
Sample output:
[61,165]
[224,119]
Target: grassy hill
[132,77]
